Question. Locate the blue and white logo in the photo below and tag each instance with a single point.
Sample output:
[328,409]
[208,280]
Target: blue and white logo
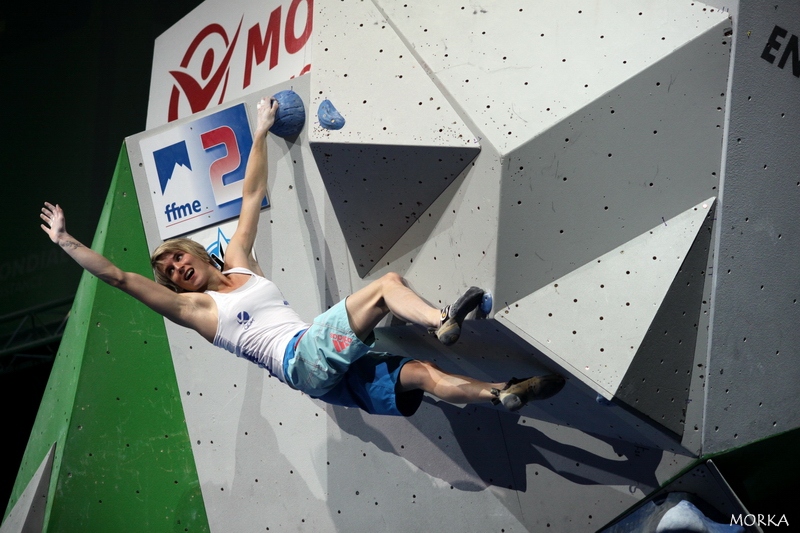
[195,170]
[244,319]
[216,250]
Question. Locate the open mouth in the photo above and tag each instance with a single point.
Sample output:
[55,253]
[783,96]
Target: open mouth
[188,275]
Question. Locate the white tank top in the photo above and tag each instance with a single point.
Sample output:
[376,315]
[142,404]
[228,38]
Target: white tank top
[255,322]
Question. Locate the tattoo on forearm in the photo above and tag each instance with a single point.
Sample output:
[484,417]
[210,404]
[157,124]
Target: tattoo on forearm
[70,244]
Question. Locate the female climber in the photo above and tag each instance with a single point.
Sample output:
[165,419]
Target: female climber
[331,359]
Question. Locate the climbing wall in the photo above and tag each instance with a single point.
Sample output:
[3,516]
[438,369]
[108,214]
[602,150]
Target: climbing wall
[577,175]
[753,368]
[622,188]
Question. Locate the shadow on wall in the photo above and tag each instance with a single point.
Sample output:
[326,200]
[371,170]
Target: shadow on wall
[319,245]
[474,447]
[469,449]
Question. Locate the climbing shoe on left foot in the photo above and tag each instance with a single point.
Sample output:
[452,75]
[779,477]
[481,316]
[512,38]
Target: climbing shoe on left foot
[453,315]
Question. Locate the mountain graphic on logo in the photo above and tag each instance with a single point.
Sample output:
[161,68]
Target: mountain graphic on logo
[216,250]
[166,159]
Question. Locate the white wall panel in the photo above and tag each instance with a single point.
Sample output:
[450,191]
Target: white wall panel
[517,69]
[753,369]
[594,319]
[553,88]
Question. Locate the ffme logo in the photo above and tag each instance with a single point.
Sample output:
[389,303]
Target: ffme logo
[196,170]
[215,58]
[166,159]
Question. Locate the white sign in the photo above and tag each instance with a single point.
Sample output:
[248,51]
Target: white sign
[195,170]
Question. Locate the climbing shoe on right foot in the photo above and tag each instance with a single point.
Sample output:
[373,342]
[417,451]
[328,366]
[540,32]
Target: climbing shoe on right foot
[519,392]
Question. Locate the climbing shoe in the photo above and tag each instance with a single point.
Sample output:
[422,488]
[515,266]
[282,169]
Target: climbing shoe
[519,392]
[453,315]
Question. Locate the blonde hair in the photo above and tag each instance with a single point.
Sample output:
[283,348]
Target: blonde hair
[186,246]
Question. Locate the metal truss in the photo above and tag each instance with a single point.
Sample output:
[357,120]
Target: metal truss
[32,336]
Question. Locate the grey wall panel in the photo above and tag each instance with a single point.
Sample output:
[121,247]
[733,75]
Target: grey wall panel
[402,144]
[692,438]
[658,380]
[516,70]
[649,149]
[378,192]
[491,351]
[273,457]
[753,367]
[526,465]
[594,320]
[27,515]
[366,70]
[453,244]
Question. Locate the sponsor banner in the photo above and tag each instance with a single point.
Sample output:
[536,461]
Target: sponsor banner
[225,49]
[195,170]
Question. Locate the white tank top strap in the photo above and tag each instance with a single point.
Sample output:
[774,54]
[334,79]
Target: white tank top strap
[239,270]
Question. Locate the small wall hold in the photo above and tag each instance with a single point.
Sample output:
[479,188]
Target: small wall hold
[485,306]
[329,117]
[602,400]
[291,116]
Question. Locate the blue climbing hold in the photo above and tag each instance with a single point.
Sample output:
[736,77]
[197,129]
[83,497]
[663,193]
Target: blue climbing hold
[485,307]
[291,116]
[602,400]
[329,117]
[486,303]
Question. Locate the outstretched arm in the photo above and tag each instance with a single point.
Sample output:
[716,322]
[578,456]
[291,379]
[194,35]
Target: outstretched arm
[55,227]
[155,296]
[253,190]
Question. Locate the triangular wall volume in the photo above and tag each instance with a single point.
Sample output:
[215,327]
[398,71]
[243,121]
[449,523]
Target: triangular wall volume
[379,191]
[27,515]
[112,404]
[593,320]
[657,382]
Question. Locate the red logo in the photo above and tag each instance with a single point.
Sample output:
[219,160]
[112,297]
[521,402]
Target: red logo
[261,46]
[199,95]
[340,342]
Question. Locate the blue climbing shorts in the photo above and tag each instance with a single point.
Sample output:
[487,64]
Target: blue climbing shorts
[328,361]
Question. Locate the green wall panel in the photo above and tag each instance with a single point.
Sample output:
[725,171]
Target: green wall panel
[123,461]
